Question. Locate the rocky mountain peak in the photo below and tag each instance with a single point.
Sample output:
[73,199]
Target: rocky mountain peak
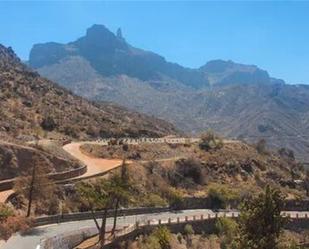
[119,33]
[98,31]
[8,55]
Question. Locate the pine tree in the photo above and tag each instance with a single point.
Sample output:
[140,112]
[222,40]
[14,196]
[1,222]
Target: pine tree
[260,222]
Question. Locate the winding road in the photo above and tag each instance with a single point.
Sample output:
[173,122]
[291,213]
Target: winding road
[95,166]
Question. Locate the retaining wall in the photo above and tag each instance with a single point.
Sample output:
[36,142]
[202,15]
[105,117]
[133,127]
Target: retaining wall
[200,225]
[87,215]
[68,240]
[9,184]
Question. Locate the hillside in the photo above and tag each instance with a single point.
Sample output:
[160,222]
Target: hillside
[32,106]
[163,173]
[235,100]
[16,160]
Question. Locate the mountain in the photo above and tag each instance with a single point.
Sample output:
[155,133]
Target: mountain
[227,73]
[111,55]
[236,100]
[31,105]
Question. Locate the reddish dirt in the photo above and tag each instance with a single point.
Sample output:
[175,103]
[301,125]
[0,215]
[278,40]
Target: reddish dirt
[94,165]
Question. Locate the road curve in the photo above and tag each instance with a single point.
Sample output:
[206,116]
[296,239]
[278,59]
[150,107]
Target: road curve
[32,238]
[95,166]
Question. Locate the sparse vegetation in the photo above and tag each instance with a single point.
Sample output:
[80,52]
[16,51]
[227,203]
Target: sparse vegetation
[34,185]
[261,146]
[10,222]
[210,141]
[260,222]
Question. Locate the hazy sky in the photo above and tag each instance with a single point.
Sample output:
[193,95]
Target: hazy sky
[272,35]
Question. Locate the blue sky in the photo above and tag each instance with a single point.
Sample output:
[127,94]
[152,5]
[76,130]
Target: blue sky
[272,35]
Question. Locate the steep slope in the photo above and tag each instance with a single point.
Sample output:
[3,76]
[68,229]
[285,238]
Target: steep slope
[234,99]
[30,104]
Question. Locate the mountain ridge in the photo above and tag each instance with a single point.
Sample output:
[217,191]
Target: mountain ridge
[236,100]
[31,104]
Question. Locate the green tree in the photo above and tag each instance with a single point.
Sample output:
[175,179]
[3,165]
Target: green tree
[227,230]
[164,236]
[260,222]
[188,231]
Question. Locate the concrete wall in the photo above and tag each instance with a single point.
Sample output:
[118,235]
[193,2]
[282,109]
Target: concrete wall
[87,215]
[200,224]
[8,184]
[68,240]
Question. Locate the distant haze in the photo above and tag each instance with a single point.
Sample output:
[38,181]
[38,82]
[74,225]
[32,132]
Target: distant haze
[272,35]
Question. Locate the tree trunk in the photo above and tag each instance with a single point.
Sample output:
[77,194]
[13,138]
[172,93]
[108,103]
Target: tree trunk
[115,216]
[31,188]
[94,219]
[103,229]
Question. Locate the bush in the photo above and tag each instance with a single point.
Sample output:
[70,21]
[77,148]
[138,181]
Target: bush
[220,196]
[71,131]
[188,230]
[175,198]
[163,235]
[154,200]
[151,242]
[189,169]
[209,141]
[226,228]
[261,147]
[286,153]
[10,223]
[48,124]
[125,147]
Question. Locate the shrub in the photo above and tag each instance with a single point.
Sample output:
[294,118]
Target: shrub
[10,223]
[226,228]
[175,198]
[48,123]
[125,147]
[261,147]
[179,238]
[188,230]
[209,141]
[163,235]
[287,153]
[71,131]
[151,242]
[190,168]
[220,195]
[154,200]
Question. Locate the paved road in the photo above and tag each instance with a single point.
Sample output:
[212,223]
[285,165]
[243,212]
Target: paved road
[32,239]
